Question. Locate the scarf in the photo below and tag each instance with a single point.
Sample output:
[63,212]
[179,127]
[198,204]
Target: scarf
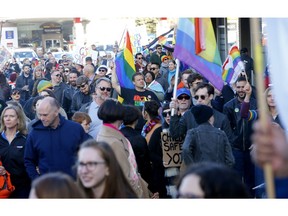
[149,126]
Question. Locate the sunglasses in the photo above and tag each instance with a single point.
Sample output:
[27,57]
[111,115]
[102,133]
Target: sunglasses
[164,114]
[140,58]
[104,88]
[16,93]
[153,68]
[66,70]
[102,70]
[82,86]
[201,96]
[181,97]
[58,75]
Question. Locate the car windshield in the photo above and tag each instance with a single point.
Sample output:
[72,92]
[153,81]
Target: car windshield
[23,55]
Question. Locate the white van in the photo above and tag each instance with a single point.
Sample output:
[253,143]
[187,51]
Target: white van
[22,53]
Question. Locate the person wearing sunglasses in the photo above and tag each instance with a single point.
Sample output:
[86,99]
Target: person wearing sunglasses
[156,56]
[83,95]
[16,96]
[59,85]
[160,76]
[183,100]
[103,91]
[204,93]
[140,63]
[103,71]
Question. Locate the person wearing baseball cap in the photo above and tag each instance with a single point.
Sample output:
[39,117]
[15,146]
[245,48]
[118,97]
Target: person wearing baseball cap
[183,100]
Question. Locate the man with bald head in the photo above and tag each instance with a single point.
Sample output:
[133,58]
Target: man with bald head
[53,142]
[89,72]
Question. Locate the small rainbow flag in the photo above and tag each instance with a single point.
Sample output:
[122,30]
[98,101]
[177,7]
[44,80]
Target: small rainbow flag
[196,46]
[232,66]
[125,65]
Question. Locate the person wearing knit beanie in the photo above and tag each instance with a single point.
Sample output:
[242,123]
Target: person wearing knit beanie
[202,113]
[44,84]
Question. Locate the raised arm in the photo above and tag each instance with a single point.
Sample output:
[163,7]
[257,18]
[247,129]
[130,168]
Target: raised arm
[114,80]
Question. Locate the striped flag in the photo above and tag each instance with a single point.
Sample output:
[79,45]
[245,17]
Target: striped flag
[232,66]
[125,65]
[164,39]
[196,46]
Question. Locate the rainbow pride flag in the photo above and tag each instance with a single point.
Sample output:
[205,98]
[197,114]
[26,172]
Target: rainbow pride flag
[125,65]
[206,59]
[232,66]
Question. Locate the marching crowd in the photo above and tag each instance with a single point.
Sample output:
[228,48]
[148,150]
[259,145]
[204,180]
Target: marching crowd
[71,131]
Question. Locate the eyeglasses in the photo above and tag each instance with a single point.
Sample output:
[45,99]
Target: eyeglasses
[102,70]
[181,97]
[82,86]
[203,97]
[57,75]
[89,165]
[16,93]
[164,114]
[153,68]
[104,88]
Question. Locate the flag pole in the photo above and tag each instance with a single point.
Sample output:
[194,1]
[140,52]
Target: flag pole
[258,60]
[175,84]
[124,31]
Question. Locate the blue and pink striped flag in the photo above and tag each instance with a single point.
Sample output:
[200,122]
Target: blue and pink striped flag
[196,46]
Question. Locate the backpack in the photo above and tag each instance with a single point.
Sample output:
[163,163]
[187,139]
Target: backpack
[6,187]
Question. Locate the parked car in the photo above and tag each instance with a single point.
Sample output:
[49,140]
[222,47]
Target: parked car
[22,53]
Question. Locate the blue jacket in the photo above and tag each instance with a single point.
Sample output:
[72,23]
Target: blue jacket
[53,149]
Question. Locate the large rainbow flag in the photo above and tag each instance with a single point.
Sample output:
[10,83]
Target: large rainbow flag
[232,66]
[196,46]
[125,65]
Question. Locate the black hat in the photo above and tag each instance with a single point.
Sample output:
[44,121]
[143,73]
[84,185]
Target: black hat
[88,58]
[202,113]
[244,50]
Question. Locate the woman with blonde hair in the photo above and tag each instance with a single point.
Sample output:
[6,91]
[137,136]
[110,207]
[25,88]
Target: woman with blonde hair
[12,144]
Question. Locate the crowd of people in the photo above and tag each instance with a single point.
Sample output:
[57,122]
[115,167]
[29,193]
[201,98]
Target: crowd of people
[71,131]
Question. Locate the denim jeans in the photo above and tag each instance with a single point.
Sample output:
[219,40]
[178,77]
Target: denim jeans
[246,169]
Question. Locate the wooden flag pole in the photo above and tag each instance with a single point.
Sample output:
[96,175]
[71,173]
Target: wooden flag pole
[258,65]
